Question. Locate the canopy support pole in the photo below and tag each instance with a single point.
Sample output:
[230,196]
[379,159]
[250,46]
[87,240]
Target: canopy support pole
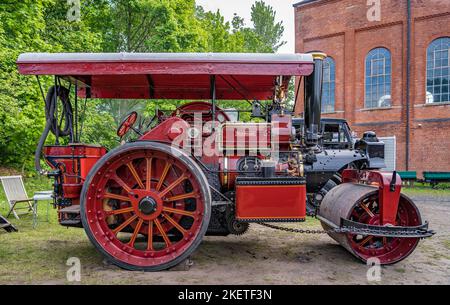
[55,97]
[40,88]
[213,100]
[296,95]
[76,114]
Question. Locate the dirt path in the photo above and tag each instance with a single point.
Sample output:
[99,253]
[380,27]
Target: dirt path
[265,256]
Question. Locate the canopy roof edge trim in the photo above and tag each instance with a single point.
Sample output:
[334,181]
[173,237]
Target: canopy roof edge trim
[165,57]
[169,75]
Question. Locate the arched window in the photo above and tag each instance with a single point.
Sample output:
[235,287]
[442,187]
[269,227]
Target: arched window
[378,78]
[328,85]
[438,54]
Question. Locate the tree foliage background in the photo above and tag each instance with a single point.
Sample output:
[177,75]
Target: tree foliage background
[107,26]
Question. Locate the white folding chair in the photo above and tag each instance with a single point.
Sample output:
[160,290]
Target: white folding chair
[15,193]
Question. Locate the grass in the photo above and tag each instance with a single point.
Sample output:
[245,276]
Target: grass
[40,254]
[443,189]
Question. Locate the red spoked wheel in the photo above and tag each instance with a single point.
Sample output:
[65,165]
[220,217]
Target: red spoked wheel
[388,250]
[360,203]
[146,206]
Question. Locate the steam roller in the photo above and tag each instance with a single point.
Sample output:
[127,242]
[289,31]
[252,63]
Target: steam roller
[201,169]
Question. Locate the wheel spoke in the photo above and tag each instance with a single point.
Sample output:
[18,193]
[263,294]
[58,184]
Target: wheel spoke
[135,174]
[124,224]
[163,234]
[121,183]
[135,233]
[150,235]
[116,196]
[365,241]
[119,211]
[367,210]
[178,211]
[182,196]
[163,176]
[173,185]
[175,224]
[148,180]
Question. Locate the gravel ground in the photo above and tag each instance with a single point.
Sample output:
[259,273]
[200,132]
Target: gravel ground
[265,256]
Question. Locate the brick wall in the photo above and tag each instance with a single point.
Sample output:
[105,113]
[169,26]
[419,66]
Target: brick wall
[340,28]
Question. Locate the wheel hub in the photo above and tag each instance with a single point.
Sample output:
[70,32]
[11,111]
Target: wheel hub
[147,205]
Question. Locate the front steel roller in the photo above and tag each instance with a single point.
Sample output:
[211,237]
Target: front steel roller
[146,206]
[359,203]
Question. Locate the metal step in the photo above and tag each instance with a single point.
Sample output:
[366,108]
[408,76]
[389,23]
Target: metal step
[70,216]
[71,222]
[73,209]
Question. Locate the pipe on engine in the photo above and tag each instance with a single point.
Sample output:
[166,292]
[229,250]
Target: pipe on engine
[360,203]
[313,100]
[54,93]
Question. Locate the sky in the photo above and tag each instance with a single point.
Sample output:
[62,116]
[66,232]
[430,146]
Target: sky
[283,8]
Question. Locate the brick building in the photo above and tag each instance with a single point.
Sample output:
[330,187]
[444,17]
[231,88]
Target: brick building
[367,76]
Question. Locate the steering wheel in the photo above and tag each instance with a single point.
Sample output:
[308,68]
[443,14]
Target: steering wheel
[127,124]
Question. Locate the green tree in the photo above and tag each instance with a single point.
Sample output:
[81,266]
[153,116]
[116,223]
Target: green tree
[20,122]
[153,26]
[74,36]
[266,34]
[31,26]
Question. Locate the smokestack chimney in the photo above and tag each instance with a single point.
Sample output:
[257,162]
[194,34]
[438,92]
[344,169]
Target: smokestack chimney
[313,100]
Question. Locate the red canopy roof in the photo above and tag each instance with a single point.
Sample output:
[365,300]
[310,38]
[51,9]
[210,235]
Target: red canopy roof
[169,75]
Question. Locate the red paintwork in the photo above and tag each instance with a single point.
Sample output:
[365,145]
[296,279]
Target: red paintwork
[75,161]
[388,199]
[271,202]
[187,111]
[90,68]
[281,129]
[167,131]
[245,136]
[257,136]
[188,87]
